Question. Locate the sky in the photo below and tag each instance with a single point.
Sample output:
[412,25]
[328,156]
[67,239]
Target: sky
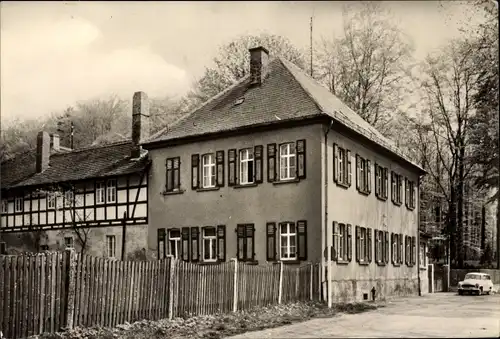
[53,54]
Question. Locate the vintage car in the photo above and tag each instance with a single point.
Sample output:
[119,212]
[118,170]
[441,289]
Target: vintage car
[475,283]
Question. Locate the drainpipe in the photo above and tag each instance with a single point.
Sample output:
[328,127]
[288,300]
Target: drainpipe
[328,251]
[418,238]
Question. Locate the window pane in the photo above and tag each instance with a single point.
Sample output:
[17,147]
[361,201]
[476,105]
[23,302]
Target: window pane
[206,249]
[241,249]
[249,248]
[213,244]
[210,231]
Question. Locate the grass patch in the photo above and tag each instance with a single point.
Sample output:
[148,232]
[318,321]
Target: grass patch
[216,326]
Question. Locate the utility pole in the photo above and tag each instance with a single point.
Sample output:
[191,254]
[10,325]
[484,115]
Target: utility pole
[311,45]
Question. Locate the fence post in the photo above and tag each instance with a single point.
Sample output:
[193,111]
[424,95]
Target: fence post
[235,295]
[70,287]
[171,288]
[311,282]
[320,295]
[280,291]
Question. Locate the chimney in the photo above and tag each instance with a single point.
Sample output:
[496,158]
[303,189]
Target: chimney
[42,151]
[259,60]
[55,142]
[140,121]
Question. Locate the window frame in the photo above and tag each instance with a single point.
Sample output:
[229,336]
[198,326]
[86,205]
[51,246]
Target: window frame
[290,166]
[111,188]
[381,182]
[363,175]
[18,201]
[172,172]
[289,235]
[243,233]
[241,161]
[51,201]
[176,240]
[100,192]
[111,246]
[71,243]
[212,240]
[396,188]
[211,171]
[68,196]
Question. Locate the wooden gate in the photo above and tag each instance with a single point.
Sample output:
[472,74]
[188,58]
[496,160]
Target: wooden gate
[440,283]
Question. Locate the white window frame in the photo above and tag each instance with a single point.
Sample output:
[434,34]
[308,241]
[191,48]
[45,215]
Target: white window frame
[288,234]
[246,159]
[208,170]
[18,204]
[68,198]
[5,206]
[288,161]
[176,240]
[111,190]
[211,242]
[111,246]
[51,201]
[100,192]
[70,243]
[423,256]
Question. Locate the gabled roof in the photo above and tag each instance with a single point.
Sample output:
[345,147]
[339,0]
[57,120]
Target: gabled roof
[286,94]
[92,162]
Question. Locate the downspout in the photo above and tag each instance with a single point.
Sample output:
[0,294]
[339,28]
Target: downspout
[327,248]
[418,238]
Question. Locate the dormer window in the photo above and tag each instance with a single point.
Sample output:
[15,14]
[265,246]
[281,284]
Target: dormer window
[19,204]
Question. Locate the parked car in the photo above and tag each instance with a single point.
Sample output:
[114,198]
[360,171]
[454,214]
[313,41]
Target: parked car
[475,283]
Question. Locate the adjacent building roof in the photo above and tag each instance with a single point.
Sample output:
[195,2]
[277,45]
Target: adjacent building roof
[92,162]
[287,93]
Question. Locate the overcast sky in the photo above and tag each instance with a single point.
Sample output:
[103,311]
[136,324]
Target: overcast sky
[55,53]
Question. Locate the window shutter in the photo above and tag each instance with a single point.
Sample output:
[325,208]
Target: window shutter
[271,241]
[168,175]
[368,176]
[335,163]
[407,189]
[250,234]
[231,163]
[377,259]
[220,168]
[369,244]
[195,165]
[358,244]
[401,250]
[385,182]
[177,173]
[195,244]
[349,168]
[258,164]
[406,249]
[336,241]
[349,242]
[221,242]
[301,159]
[413,251]
[271,162]
[240,242]
[358,172]
[161,243]
[386,245]
[392,249]
[393,191]
[302,240]
[377,188]
[185,243]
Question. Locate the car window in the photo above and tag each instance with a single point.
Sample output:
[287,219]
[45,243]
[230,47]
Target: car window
[486,277]
[472,276]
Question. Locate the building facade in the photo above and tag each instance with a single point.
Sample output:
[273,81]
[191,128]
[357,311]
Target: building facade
[276,168]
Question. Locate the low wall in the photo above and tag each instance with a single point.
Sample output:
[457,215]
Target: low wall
[457,275]
[354,290]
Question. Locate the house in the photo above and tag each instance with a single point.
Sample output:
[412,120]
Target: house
[276,168]
[94,198]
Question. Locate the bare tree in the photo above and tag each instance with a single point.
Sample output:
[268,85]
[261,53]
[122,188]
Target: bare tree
[367,67]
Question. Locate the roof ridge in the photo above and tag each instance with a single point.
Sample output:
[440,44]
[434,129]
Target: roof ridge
[116,143]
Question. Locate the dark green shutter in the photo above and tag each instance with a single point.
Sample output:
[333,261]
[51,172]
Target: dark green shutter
[271,162]
[231,163]
[302,240]
[195,175]
[184,244]
[161,243]
[221,242]
[358,244]
[195,244]
[349,242]
[349,168]
[358,172]
[259,164]
[368,176]
[335,163]
[271,241]
[220,168]
[386,247]
[369,247]
[301,159]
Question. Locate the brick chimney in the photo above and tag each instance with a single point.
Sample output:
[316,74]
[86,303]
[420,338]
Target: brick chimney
[259,60]
[140,121]
[55,144]
[42,151]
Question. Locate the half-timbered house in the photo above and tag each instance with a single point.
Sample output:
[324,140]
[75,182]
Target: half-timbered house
[94,198]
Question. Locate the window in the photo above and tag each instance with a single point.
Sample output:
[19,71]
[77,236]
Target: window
[208,165]
[51,201]
[407,250]
[287,161]
[111,246]
[68,198]
[5,205]
[246,166]
[245,242]
[185,243]
[174,242]
[68,241]
[395,249]
[397,187]
[422,255]
[19,202]
[209,241]
[111,190]
[381,182]
[379,249]
[342,166]
[413,259]
[401,249]
[288,241]
[363,175]
[363,245]
[161,243]
[99,192]
[173,174]
[410,194]
[342,242]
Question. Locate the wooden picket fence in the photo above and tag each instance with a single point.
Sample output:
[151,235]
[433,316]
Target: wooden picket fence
[52,291]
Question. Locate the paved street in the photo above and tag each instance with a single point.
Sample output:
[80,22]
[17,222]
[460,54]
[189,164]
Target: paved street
[436,315]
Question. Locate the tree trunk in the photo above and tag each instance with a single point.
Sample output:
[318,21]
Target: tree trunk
[460,209]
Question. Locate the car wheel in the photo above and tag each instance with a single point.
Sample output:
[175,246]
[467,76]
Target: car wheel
[460,292]
[480,291]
